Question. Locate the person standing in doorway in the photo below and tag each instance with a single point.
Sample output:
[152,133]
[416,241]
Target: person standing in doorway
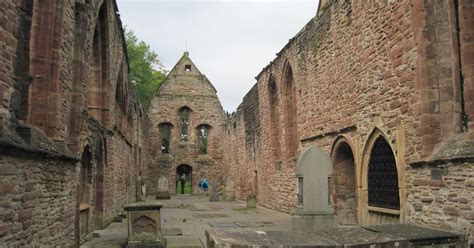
[183,182]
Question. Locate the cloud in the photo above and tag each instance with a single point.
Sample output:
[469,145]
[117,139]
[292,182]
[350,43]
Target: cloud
[229,41]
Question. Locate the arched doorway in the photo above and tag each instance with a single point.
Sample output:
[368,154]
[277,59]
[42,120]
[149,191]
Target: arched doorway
[345,200]
[83,196]
[187,171]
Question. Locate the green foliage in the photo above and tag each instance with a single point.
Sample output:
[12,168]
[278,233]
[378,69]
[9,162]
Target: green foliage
[146,71]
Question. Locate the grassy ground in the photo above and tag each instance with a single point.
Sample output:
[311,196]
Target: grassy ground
[187,187]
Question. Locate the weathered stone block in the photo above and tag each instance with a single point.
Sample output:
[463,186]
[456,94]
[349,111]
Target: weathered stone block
[251,201]
[144,224]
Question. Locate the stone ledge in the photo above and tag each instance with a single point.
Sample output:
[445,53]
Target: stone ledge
[33,141]
[141,206]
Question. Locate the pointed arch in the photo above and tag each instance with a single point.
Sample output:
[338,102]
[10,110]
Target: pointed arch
[274,117]
[97,90]
[165,136]
[203,131]
[380,181]
[185,121]
[345,181]
[288,95]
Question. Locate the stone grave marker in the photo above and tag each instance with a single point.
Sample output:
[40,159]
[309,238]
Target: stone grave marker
[315,211]
[163,192]
[228,188]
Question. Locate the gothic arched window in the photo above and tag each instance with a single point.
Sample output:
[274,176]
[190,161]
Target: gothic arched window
[383,177]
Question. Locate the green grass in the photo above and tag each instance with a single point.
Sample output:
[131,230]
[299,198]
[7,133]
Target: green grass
[187,187]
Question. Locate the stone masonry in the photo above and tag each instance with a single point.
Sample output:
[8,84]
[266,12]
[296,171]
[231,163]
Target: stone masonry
[362,73]
[186,87]
[385,88]
[71,130]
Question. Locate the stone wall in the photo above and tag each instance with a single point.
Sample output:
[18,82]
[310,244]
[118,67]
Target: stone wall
[441,195]
[357,71]
[65,95]
[192,90]
[37,209]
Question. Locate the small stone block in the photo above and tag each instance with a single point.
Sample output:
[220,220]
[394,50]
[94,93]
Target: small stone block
[251,201]
[214,197]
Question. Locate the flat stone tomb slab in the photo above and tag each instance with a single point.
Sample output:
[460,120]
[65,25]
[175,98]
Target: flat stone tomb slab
[171,232]
[206,216]
[178,205]
[247,238]
[417,235]
[248,224]
[359,236]
[212,206]
[183,242]
[198,209]
[223,225]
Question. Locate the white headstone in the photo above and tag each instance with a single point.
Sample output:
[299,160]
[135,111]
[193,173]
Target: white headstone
[163,183]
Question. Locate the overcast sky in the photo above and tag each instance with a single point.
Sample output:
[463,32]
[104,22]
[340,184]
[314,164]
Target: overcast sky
[229,41]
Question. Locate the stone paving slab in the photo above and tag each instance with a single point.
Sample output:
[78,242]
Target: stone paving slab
[247,224]
[183,242]
[171,232]
[223,225]
[265,223]
[198,209]
[210,215]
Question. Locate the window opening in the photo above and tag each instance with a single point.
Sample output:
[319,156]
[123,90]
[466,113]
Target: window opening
[383,177]
[187,67]
[203,136]
[165,132]
[184,112]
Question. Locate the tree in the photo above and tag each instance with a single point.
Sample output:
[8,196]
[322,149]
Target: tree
[146,71]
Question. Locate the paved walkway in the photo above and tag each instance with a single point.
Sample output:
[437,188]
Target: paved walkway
[193,214]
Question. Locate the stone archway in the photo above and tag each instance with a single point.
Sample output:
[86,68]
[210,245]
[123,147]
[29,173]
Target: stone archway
[345,196]
[188,172]
[380,201]
[82,225]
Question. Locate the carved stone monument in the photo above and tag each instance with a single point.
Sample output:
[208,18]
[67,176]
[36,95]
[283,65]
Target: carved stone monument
[163,192]
[228,188]
[315,211]
[144,224]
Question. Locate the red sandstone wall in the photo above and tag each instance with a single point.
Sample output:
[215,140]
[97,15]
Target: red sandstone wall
[360,66]
[58,96]
[36,205]
[193,90]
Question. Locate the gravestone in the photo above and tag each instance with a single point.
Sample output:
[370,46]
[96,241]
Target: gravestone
[228,188]
[315,212]
[163,192]
[251,201]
